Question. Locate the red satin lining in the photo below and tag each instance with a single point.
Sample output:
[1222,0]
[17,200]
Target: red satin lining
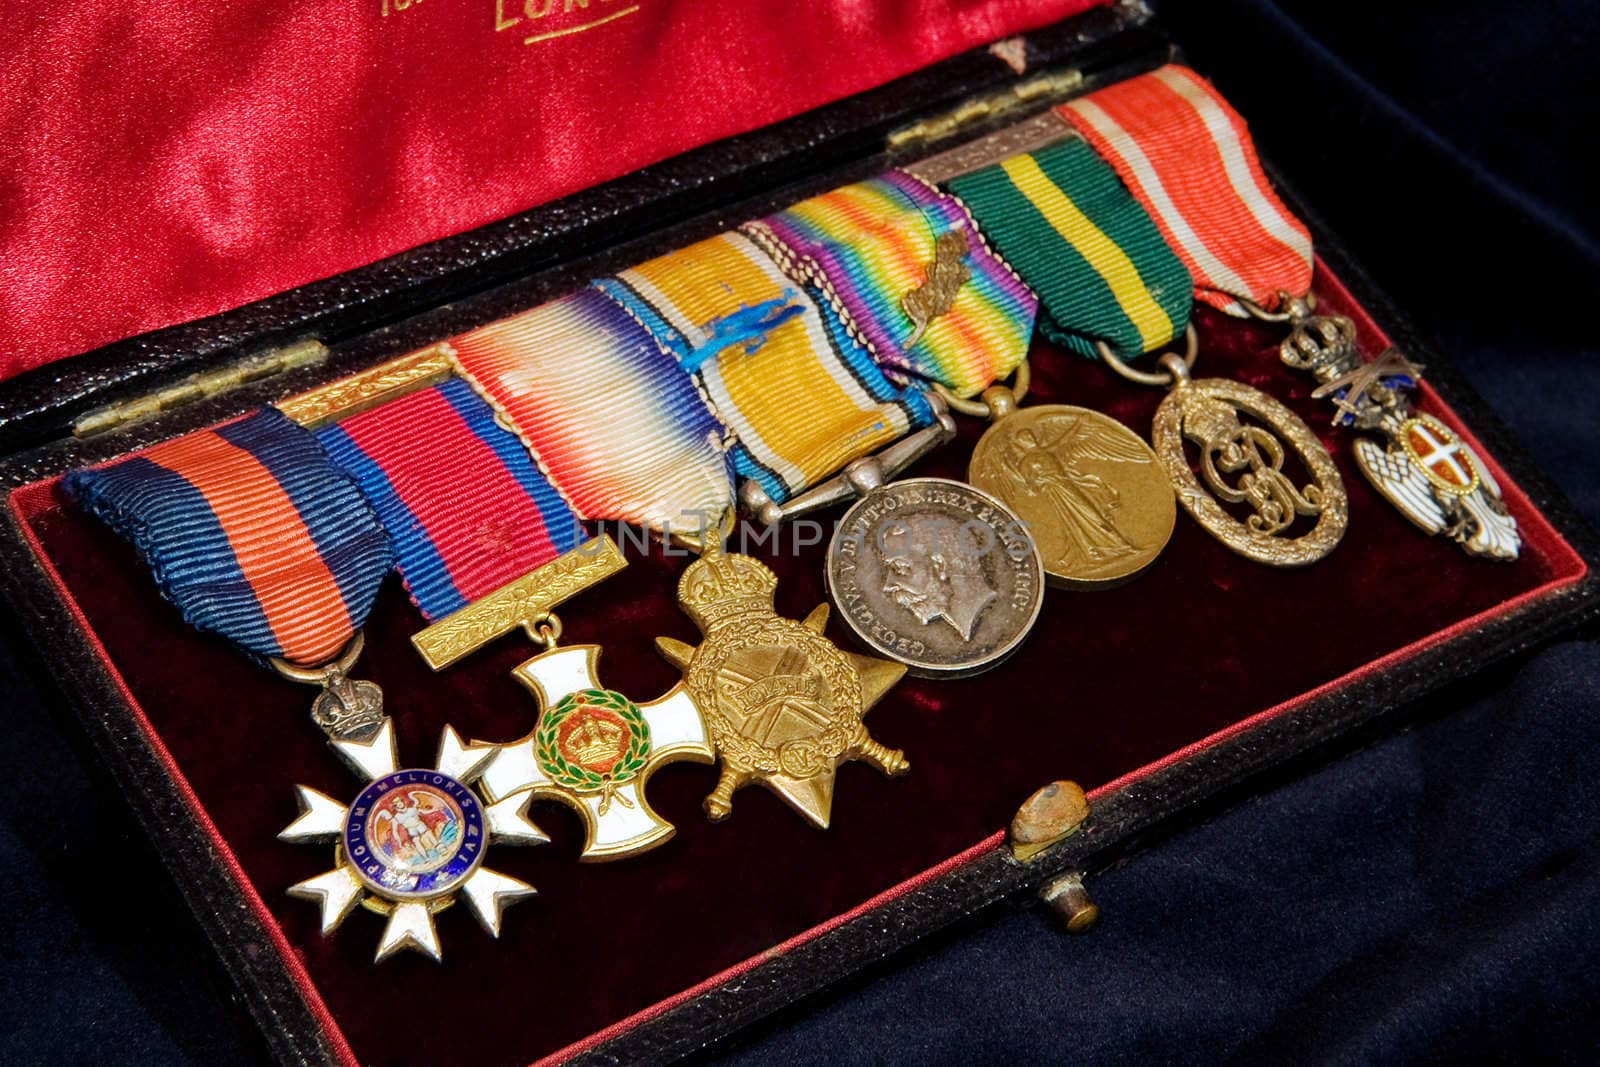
[170,160]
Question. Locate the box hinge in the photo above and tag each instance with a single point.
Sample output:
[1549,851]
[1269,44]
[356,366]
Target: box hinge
[1048,87]
[252,368]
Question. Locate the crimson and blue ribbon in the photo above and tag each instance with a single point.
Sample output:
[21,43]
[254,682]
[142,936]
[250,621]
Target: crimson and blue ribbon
[463,502]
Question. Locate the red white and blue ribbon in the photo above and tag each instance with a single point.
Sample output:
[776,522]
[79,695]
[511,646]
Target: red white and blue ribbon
[251,532]
[463,502]
[612,418]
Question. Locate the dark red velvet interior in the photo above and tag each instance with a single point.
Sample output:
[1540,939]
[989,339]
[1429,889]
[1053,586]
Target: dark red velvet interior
[1109,683]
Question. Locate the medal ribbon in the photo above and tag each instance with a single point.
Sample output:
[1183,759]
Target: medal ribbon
[463,502]
[875,242]
[801,396]
[1186,156]
[251,532]
[612,418]
[1098,264]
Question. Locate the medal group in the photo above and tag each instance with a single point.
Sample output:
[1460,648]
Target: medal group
[795,363]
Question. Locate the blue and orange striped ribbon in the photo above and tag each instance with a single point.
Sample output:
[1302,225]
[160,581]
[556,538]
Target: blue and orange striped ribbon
[251,532]
[463,502]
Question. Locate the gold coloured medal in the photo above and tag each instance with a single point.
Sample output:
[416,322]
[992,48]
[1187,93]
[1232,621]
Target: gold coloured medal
[1095,501]
[1243,438]
[783,703]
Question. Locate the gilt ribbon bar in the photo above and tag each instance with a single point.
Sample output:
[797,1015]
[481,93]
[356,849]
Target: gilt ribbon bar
[1098,264]
[801,396]
[879,244]
[251,532]
[1186,156]
[461,498]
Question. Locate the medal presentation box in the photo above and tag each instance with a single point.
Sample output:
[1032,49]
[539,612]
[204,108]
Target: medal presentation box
[1161,697]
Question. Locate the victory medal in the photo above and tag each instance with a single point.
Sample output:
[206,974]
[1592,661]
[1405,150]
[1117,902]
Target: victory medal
[1096,502]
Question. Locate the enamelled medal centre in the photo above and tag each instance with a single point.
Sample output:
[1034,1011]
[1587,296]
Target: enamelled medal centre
[412,841]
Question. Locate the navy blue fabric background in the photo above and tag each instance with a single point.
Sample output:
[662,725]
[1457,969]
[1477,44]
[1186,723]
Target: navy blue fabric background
[1433,895]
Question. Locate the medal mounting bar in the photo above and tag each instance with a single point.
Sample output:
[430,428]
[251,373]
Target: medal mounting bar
[346,396]
[857,478]
[523,604]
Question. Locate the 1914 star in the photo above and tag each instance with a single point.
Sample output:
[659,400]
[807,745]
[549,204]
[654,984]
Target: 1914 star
[412,841]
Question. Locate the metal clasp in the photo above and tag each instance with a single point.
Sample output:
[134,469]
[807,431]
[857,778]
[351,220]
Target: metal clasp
[858,477]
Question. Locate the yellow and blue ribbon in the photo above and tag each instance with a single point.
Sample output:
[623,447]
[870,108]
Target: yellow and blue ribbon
[800,395]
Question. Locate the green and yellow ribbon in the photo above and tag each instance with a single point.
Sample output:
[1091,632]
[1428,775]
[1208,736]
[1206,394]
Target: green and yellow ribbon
[1099,266]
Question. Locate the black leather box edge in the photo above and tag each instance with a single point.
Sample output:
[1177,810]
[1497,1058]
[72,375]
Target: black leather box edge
[411,299]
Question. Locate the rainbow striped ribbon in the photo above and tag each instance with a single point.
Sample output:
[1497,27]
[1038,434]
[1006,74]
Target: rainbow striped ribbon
[251,532]
[1098,264]
[1186,156]
[463,502]
[801,396]
[873,243]
[613,420]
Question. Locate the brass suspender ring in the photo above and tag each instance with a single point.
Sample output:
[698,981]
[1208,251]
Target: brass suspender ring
[332,669]
[1294,307]
[1161,379]
[1022,377]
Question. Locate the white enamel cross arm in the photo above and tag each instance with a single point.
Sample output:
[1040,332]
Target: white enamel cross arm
[409,906]
[618,819]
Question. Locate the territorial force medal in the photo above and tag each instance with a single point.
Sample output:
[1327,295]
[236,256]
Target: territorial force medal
[411,842]
[1095,501]
[784,704]
[592,748]
[1423,467]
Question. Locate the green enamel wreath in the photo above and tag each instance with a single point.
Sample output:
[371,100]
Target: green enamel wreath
[580,779]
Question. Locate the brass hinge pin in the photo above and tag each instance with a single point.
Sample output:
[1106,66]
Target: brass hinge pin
[200,387]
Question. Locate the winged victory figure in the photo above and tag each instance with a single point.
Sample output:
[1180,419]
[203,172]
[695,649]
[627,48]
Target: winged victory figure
[1047,462]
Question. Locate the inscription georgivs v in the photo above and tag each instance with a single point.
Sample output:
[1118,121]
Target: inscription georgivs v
[935,574]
